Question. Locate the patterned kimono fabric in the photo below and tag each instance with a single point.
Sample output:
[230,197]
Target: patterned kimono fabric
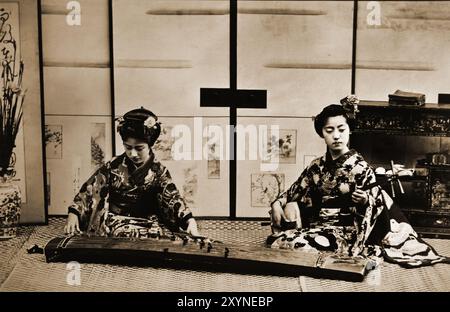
[124,201]
[331,222]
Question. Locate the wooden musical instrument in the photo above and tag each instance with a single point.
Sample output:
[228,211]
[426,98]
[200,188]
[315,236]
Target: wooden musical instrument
[202,254]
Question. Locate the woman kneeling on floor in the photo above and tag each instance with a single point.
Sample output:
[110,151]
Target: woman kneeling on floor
[336,206]
[132,195]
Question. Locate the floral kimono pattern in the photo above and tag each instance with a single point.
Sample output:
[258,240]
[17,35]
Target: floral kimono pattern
[332,222]
[328,183]
[121,200]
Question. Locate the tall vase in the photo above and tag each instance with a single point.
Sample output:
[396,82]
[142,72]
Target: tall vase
[10,200]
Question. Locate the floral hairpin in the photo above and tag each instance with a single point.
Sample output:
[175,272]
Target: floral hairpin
[120,121]
[350,105]
[150,122]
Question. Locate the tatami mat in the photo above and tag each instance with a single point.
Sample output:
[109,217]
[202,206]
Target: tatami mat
[32,273]
[390,277]
[9,251]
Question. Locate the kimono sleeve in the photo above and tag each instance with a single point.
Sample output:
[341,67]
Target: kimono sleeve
[92,196]
[174,211]
[299,191]
[372,209]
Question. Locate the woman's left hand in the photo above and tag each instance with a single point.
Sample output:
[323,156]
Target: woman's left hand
[192,227]
[360,197]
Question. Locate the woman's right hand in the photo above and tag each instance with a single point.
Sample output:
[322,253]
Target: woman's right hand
[277,214]
[192,228]
[289,215]
[73,225]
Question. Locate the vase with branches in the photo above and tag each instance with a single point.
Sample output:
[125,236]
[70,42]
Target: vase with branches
[11,112]
[12,97]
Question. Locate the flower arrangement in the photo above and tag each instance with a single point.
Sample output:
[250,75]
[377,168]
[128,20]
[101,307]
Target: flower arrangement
[11,111]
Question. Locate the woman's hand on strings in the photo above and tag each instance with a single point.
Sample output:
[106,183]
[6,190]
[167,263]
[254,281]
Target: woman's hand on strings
[73,225]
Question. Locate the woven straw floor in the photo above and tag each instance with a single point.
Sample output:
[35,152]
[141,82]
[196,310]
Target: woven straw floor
[20,271]
[390,277]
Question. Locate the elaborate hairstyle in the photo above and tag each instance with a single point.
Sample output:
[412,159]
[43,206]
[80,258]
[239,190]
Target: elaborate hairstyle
[348,109]
[141,124]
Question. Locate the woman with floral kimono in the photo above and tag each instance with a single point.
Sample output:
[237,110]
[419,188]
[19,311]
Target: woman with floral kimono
[336,204]
[133,194]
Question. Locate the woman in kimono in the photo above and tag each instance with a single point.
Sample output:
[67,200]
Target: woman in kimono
[337,193]
[133,194]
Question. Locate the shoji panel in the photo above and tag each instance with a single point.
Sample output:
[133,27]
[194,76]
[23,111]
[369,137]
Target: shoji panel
[76,146]
[300,51]
[77,91]
[76,59]
[77,96]
[85,44]
[164,52]
[257,187]
[406,50]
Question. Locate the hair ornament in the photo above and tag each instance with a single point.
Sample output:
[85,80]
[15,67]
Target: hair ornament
[350,105]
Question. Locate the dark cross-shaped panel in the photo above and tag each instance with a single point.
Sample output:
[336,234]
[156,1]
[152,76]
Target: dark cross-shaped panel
[234,99]
[222,97]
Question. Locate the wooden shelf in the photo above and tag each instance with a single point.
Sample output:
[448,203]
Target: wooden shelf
[378,117]
[385,105]
[401,132]
[429,120]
